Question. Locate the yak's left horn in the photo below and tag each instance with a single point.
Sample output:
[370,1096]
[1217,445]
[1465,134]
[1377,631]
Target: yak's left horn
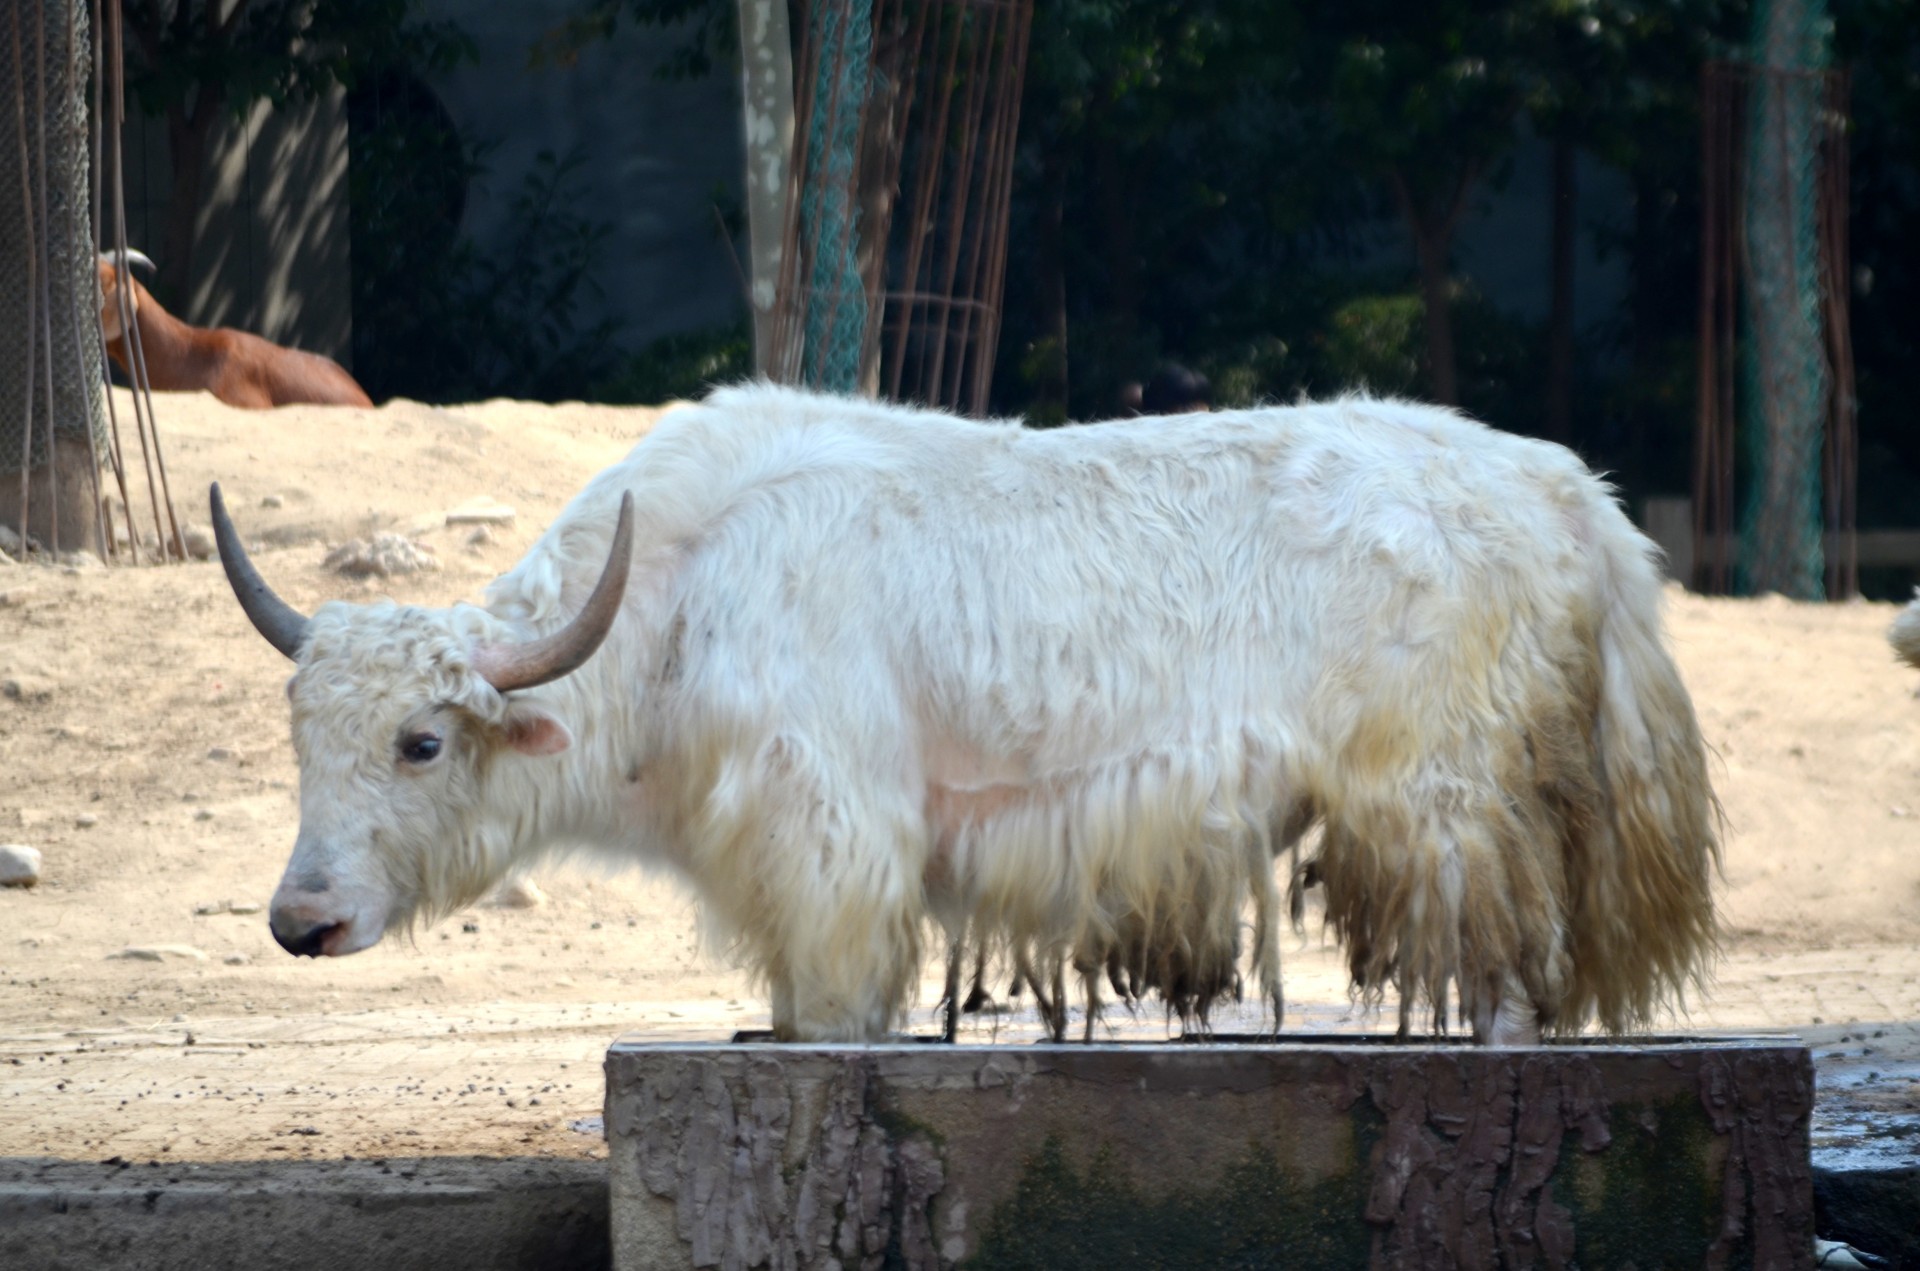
[513,666]
[284,626]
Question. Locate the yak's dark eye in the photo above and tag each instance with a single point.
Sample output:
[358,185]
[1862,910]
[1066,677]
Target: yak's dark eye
[419,747]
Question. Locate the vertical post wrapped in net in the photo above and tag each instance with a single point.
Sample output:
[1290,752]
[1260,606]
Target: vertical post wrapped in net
[52,421]
[1776,450]
[1784,363]
[908,107]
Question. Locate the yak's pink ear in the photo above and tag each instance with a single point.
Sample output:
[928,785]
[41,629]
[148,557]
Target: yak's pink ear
[532,731]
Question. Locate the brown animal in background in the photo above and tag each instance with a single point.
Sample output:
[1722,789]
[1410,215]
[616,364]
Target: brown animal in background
[240,369]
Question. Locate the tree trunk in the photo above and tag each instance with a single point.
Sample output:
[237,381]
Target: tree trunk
[1650,321]
[1053,392]
[1560,307]
[878,187]
[766,78]
[1119,256]
[1432,251]
[1432,233]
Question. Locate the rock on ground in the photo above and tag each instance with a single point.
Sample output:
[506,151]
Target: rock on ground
[26,687]
[160,953]
[19,865]
[481,511]
[198,540]
[385,556]
[518,893]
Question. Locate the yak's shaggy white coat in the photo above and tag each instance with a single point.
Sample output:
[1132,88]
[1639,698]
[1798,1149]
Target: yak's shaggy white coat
[1065,689]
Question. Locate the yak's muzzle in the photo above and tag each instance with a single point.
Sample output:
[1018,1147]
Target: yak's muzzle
[302,940]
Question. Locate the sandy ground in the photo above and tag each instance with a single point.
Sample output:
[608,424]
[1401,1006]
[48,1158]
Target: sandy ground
[143,749]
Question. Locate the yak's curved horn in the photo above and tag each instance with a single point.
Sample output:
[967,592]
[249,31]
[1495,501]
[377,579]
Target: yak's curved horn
[130,257]
[513,666]
[284,626]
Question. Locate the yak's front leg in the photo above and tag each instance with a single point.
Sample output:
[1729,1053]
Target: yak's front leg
[837,900]
[1504,1015]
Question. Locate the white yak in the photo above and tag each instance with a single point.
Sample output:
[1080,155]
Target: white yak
[863,671]
[1904,635]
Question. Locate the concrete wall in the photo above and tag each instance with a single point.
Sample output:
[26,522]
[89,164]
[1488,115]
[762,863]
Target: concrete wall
[1505,241]
[659,151]
[272,252]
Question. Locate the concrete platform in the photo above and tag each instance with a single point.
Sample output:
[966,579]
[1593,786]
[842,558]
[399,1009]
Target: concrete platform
[1335,1152]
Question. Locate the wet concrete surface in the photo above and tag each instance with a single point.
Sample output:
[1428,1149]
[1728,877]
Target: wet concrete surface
[452,1213]
[1866,1139]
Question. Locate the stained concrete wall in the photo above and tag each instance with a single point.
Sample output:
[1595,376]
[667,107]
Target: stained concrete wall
[1338,1153]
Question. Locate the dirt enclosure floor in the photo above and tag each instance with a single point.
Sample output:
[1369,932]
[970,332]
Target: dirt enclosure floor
[144,751]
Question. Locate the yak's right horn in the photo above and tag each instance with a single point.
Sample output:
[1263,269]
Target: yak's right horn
[284,626]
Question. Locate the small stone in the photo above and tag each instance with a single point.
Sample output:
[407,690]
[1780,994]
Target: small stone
[481,511]
[26,688]
[518,893]
[10,542]
[273,501]
[236,959]
[219,754]
[212,907]
[470,927]
[158,953]
[243,907]
[86,820]
[203,814]
[199,542]
[19,865]
[480,537]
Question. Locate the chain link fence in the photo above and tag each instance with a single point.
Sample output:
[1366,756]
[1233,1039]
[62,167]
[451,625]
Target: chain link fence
[60,443]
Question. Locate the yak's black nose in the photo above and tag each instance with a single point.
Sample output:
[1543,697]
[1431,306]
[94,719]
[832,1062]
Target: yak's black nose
[303,944]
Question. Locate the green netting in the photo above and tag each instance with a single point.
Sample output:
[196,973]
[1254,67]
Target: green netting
[1783,364]
[836,313]
[49,83]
